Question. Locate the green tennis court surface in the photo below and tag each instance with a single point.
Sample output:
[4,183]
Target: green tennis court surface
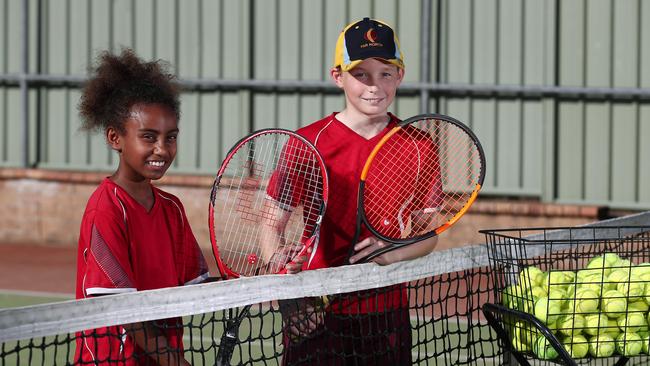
[12,299]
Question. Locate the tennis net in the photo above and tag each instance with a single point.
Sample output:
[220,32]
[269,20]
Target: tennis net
[425,311]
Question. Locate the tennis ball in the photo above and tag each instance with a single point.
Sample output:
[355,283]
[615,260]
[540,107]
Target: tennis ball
[604,262]
[585,301]
[631,322]
[584,273]
[571,324]
[543,349]
[538,292]
[624,264]
[641,269]
[613,304]
[525,333]
[519,345]
[508,296]
[646,292]
[602,345]
[530,276]
[629,344]
[638,306]
[592,281]
[547,310]
[577,346]
[612,328]
[616,277]
[646,344]
[633,287]
[596,323]
[557,280]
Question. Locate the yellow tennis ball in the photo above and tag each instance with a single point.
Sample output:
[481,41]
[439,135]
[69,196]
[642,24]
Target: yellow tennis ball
[646,345]
[530,276]
[585,301]
[629,344]
[638,306]
[640,270]
[519,345]
[624,264]
[602,345]
[616,277]
[612,328]
[543,349]
[582,274]
[525,333]
[557,280]
[593,281]
[577,346]
[596,323]
[511,296]
[538,292]
[646,292]
[547,310]
[604,262]
[571,324]
[614,304]
[631,322]
[634,288]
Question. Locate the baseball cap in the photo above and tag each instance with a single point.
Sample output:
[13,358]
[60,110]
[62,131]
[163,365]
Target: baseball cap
[367,38]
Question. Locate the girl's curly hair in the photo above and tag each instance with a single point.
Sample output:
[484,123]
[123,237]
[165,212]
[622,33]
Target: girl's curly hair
[121,81]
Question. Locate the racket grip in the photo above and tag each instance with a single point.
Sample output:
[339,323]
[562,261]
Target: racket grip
[226,348]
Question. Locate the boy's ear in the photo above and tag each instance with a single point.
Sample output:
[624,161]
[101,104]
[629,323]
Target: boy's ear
[114,139]
[400,72]
[336,74]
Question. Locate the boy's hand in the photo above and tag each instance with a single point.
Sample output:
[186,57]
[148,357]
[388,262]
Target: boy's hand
[295,265]
[368,246]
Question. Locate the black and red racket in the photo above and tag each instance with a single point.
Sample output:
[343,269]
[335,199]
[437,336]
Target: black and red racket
[418,181]
[266,206]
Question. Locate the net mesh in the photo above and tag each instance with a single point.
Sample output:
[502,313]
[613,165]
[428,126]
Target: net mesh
[425,311]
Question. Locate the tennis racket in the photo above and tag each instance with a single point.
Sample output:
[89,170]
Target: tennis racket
[418,181]
[266,206]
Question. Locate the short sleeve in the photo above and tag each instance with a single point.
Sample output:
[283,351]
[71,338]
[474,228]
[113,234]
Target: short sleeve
[195,268]
[107,266]
[286,185]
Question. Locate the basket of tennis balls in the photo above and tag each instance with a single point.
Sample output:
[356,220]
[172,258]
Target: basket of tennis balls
[600,310]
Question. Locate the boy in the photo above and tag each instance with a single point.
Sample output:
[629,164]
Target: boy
[367,327]
[133,235]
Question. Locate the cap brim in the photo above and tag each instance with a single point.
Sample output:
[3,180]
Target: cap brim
[355,63]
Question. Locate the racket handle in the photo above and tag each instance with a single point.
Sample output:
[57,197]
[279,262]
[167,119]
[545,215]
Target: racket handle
[226,348]
[302,252]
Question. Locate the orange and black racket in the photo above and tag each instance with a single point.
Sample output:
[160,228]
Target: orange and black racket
[418,181]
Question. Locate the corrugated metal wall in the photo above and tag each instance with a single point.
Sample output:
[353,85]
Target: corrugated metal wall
[554,146]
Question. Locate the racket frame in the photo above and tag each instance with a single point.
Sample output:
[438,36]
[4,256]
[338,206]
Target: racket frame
[224,270]
[398,243]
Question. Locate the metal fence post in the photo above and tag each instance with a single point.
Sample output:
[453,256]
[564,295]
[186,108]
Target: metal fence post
[425,53]
[24,92]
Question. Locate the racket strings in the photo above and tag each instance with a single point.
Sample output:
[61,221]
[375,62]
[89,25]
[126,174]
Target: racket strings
[420,178]
[245,202]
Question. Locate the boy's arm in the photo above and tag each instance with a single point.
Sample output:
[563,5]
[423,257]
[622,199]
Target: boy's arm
[271,238]
[418,249]
[149,337]
[412,251]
